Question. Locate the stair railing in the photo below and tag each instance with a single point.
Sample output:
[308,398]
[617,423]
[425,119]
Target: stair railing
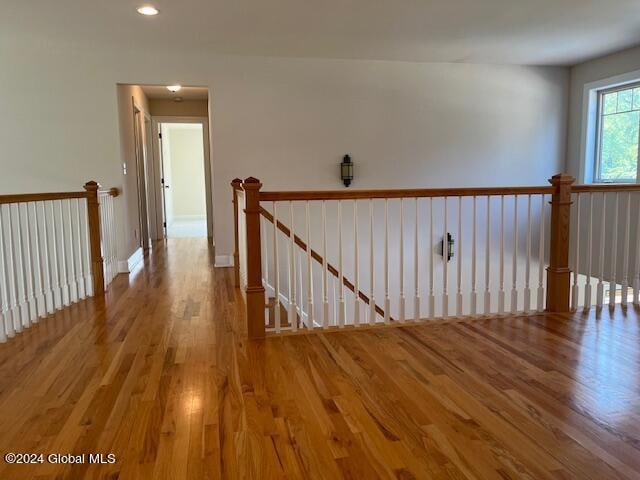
[51,252]
[425,253]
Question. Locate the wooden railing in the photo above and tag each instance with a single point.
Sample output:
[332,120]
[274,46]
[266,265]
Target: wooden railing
[51,252]
[284,241]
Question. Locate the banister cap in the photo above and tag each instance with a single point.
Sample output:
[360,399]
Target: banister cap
[91,185]
[561,178]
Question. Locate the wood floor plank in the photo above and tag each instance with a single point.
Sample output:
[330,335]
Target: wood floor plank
[161,375]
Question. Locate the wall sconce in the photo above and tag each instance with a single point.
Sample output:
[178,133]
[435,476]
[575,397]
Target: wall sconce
[346,170]
[447,247]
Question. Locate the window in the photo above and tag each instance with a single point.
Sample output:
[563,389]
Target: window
[618,135]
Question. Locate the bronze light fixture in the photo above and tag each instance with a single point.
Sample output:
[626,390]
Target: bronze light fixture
[346,170]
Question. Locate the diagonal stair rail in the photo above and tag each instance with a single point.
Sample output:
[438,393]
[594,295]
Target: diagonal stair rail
[318,258]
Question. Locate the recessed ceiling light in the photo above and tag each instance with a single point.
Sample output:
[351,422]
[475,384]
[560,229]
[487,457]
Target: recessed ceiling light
[148,10]
[174,88]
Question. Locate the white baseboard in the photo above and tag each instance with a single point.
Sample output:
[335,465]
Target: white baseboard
[127,266]
[224,261]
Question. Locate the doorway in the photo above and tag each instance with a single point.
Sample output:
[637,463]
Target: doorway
[183,154]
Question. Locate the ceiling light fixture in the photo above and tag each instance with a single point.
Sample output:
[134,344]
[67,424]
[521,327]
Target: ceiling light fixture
[148,10]
[174,88]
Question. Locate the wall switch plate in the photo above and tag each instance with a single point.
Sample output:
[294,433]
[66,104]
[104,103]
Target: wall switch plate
[124,168]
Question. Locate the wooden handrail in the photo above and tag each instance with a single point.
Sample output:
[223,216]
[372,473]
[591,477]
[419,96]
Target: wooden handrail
[318,258]
[401,193]
[561,190]
[606,187]
[40,197]
[113,192]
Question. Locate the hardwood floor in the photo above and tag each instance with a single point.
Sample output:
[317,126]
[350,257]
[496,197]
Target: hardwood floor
[162,377]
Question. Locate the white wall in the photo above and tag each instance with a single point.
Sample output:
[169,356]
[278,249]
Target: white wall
[129,224]
[184,156]
[581,75]
[285,121]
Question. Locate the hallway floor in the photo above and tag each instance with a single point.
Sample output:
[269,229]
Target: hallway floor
[161,376]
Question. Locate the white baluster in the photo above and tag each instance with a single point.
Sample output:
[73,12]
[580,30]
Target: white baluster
[625,255]
[292,311]
[49,296]
[576,260]
[600,287]
[501,294]
[23,248]
[81,271]
[41,306]
[402,298]
[432,298]
[276,262]
[541,254]
[527,279]
[18,272]
[309,271]
[265,254]
[387,301]
[474,248]
[372,300]
[112,227]
[87,249]
[325,280]
[416,268]
[334,289]
[587,288]
[340,286]
[614,255]
[514,266]
[445,266]
[459,279]
[356,267]
[487,253]
[29,269]
[636,275]
[300,300]
[73,281]
[64,266]
[5,295]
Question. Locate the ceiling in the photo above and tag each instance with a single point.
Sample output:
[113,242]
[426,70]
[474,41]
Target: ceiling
[186,93]
[533,32]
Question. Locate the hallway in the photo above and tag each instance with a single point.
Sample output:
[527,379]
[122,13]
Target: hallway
[161,376]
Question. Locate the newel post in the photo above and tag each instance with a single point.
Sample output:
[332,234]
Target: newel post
[255,289]
[558,272]
[95,249]
[236,185]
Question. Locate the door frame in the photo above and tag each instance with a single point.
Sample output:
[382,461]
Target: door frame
[159,213]
[142,167]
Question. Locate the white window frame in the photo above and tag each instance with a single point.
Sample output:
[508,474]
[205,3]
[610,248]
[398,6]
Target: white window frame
[589,145]
[597,158]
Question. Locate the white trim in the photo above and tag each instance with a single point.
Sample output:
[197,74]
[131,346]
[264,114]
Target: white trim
[127,266]
[223,261]
[589,120]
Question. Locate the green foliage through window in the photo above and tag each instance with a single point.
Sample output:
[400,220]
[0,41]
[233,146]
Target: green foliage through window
[619,135]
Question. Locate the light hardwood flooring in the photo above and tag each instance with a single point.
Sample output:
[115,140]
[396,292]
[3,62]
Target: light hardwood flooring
[162,376]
